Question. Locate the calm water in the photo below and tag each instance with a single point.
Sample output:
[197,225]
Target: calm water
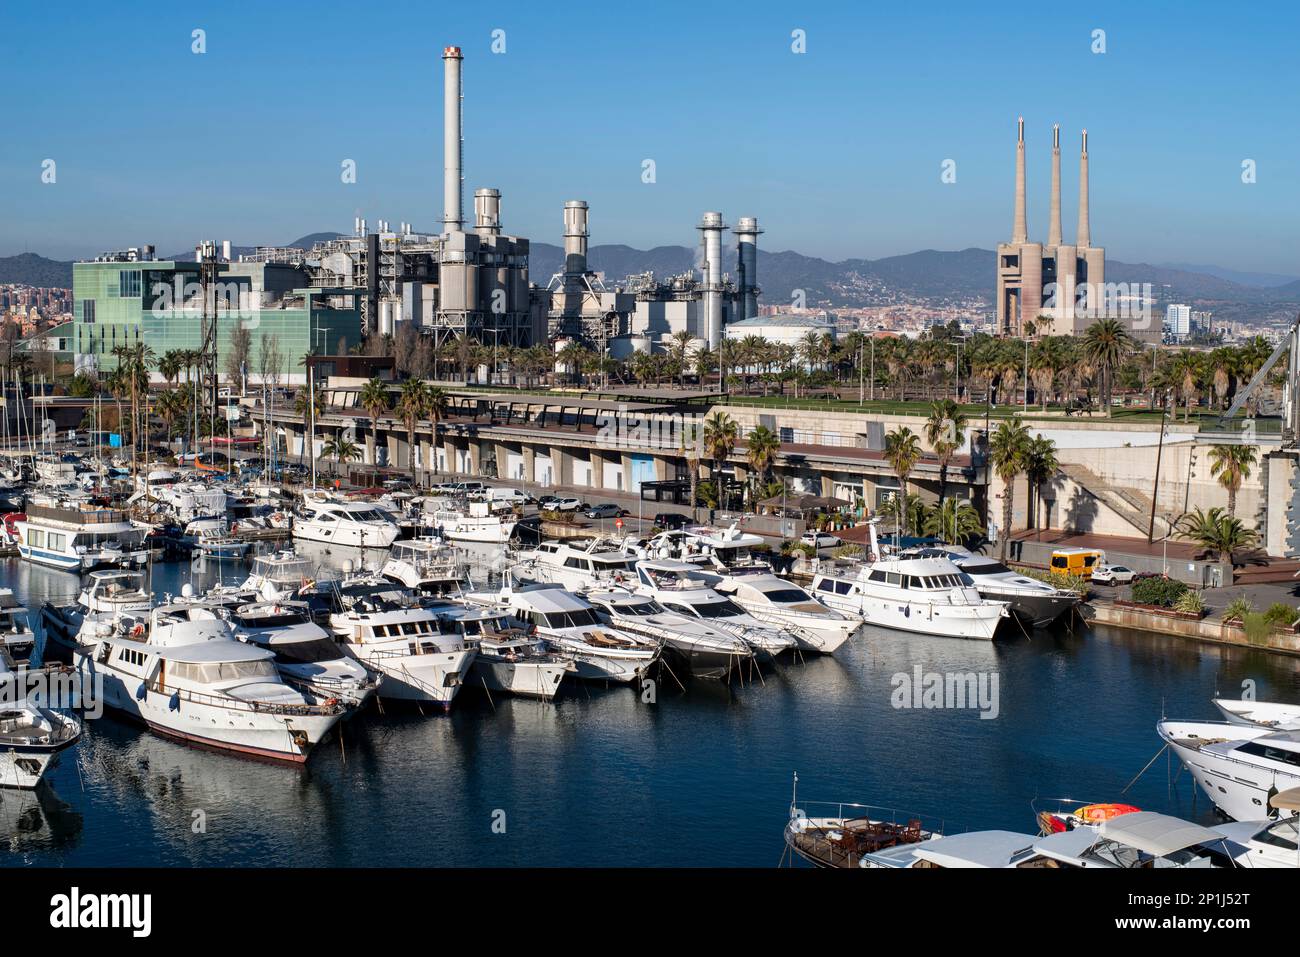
[601,778]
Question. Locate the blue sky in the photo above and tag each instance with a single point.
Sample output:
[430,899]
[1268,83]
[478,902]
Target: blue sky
[837,151]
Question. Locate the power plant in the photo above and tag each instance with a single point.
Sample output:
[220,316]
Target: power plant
[1056,285]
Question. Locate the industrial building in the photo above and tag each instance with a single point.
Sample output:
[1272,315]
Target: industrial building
[1059,281]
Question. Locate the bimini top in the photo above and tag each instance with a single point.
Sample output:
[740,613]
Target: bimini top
[1288,800]
[976,849]
[218,650]
[1156,834]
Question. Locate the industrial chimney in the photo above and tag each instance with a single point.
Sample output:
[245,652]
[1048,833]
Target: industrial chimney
[452,142]
[747,259]
[1085,233]
[1054,224]
[575,237]
[1020,232]
[487,212]
[711,226]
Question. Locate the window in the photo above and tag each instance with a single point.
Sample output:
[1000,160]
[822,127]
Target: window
[36,537]
[305,652]
[1272,754]
[1058,561]
[893,578]
[87,310]
[128,284]
[57,541]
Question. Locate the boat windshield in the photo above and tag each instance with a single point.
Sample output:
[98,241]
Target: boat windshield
[367,515]
[638,609]
[580,618]
[723,608]
[307,652]
[280,619]
[785,596]
[985,568]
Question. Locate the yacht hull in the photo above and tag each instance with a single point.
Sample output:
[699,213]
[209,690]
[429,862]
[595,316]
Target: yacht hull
[975,621]
[1238,788]
[715,665]
[434,678]
[523,678]
[23,768]
[1034,611]
[347,537]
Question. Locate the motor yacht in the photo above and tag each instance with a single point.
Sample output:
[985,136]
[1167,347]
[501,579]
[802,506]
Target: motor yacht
[1272,842]
[571,627]
[427,566]
[32,735]
[578,564]
[691,643]
[682,587]
[724,549]
[388,630]
[1260,714]
[509,660]
[475,522]
[814,625]
[322,517]
[79,536]
[1238,766]
[279,575]
[17,641]
[1140,839]
[1035,603]
[179,669]
[108,592]
[306,654]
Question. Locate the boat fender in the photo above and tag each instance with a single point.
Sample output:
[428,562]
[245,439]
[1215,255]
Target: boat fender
[137,631]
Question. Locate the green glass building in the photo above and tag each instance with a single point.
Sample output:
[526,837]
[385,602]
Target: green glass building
[121,303]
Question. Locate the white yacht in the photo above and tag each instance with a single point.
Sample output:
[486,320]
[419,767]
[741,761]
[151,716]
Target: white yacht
[571,627]
[980,849]
[279,575]
[388,631]
[814,625]
[578,564]
[187,501]
[79,536]
[427,566]
[31,735]
[1271,842]
[108,592]
[322,517]
[476,522]
[682,587]
[1141,839]
[17,641]
[725,549]
[180,670]
[307,655]
[509,660]
[1035,603]
[693,643]
[1260,714]
[928,596]
[1238,766]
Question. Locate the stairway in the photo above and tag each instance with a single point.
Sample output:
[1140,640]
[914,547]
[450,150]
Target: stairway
[1132,506]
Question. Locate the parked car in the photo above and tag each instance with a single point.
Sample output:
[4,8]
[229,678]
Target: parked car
[469,488]
[670,521]
[1113,575]
[823,543]
[605,510]
[566,504]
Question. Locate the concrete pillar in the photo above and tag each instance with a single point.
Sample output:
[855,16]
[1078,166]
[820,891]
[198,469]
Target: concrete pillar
[528,453]
[475,458]
[449,451]
[561,466]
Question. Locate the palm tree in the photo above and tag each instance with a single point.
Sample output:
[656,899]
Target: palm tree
[761,447]
[341,448]
[1217,532]
[373,397]
[1107,344]
[954,520]
[680,351]
[1232,465]
[1041,465]
[720,433]
[134,361]
[435,407]
[902,452]
[1009,454]
[945,430]
[412,405]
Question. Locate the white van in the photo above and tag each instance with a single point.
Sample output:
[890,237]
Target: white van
[507,496]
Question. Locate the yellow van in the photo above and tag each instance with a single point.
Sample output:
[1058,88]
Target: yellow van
[1077,561]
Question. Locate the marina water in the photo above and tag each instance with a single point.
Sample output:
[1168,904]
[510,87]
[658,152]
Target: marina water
[603,777]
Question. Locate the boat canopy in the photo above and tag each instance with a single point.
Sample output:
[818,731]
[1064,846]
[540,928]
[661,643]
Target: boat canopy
[1156,834]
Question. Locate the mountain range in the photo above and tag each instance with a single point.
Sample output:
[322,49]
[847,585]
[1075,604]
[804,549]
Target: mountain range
[929,275]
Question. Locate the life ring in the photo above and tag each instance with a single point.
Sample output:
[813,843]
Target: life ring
[137,631]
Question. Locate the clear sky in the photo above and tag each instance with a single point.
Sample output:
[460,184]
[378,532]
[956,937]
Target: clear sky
[837,151]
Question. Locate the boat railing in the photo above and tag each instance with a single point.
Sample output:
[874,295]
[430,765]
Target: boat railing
[239,704]
[770,618]
[843,811]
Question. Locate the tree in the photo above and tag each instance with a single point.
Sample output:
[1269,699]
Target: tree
[1107,344]
[761,447]
[945,430]
[133,361]
[1041,465]
[720,433]
[238,352]
[1232,465]
[1216,532]
[373,397]
[902,452]
[270,362]
[413,405]
[436,409]
[680,350]
[954,520]
[341,448]
[1009,454]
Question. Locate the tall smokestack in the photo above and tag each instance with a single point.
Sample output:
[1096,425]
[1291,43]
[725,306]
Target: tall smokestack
[711,226]
[747,255]
[452,142]
[1054,224]
[1020,233]
[575,237]
[1085,234]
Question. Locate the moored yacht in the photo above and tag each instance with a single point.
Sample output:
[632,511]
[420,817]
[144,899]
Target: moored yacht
[1260,714]
[509,659]
[427,566]
[279,575]
[1036,603]
[322,517]
[1270,842]
[703,650]
[571,627]
[108,592]
[476,522]
[813,624]
[724,549]
[79,536]
[180,670]
[31,735]
[682,587]
[1238,766]
[578,564]
[388,631]
[928,596]
[17,641]
[306,654]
